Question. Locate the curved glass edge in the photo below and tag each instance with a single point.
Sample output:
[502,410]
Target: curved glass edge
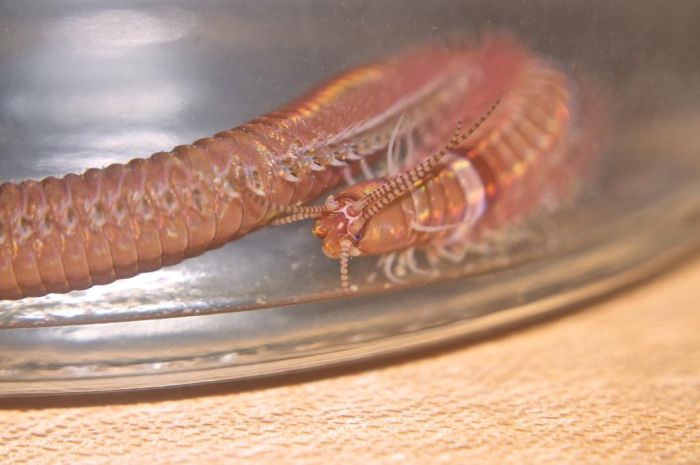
[642,219]
[311,335]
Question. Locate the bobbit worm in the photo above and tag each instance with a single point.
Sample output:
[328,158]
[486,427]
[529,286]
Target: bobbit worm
[522,152]
[73,232]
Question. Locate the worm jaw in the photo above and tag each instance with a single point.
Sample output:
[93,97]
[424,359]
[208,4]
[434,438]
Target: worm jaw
[340,227]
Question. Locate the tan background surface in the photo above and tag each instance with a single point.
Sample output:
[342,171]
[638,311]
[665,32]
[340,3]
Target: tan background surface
[618,382]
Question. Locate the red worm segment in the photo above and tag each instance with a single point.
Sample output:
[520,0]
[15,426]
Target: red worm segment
[62,234]
[521,153]
[501,174]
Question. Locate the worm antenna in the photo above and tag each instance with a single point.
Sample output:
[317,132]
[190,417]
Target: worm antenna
[328,206]
[296,213]
[293,218]
[402,183]
[299,209]
[344,259]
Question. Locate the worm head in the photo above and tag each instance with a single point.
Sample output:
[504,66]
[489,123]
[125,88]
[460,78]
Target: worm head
[340,228]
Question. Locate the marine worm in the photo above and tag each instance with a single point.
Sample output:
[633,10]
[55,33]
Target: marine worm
[522,152]
[73,232]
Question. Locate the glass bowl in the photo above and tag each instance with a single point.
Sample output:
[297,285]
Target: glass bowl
[89,84]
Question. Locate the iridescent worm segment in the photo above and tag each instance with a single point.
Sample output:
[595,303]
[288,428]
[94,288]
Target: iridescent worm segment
[526,151]
[62,234]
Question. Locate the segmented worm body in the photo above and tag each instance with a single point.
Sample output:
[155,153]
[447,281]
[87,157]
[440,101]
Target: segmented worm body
[62,234]
[521,153]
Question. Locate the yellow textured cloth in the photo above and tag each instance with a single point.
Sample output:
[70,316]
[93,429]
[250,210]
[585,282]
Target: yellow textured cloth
[616,383]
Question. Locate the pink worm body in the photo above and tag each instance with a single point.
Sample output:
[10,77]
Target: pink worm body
[69,233]
[525,151]
[496,177]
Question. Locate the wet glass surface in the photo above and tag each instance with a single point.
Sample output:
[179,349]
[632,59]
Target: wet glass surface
[89,84]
